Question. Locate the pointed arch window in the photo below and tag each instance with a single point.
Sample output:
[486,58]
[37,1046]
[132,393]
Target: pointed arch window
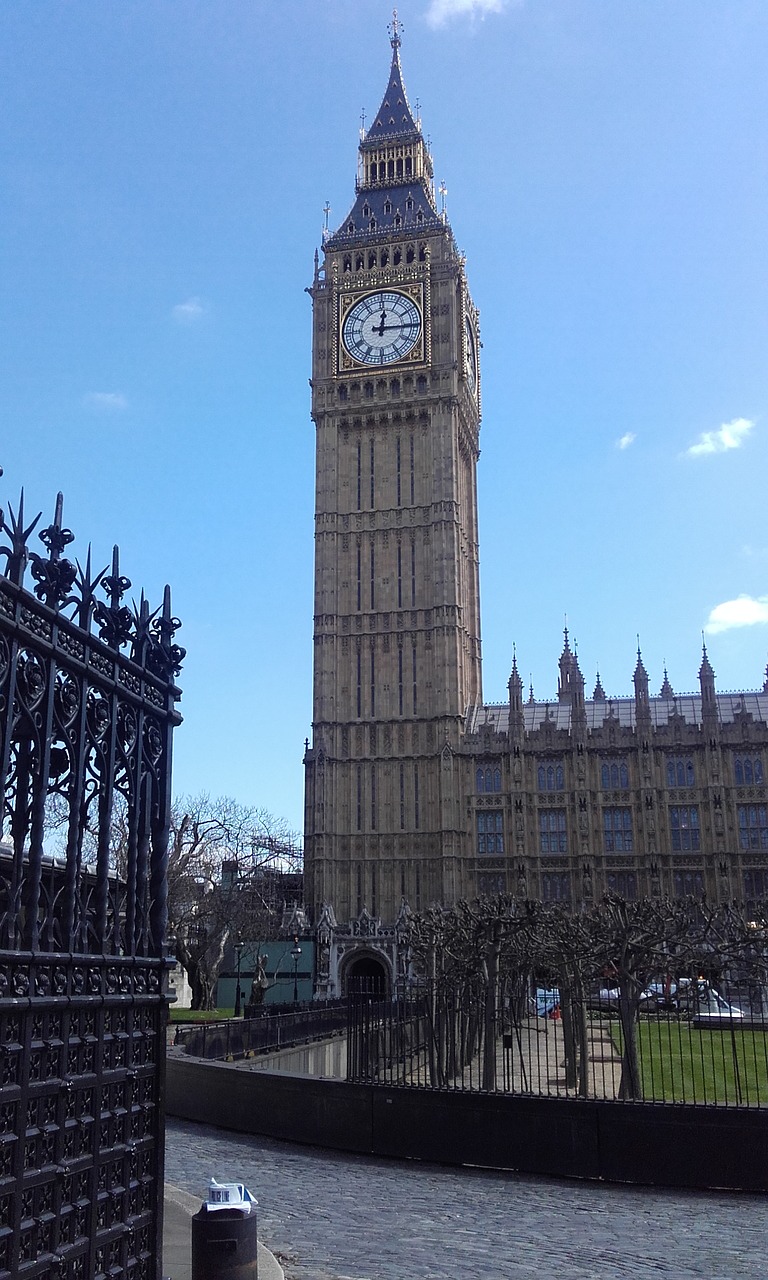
[366,211]
[748,771]
[488,779]
[680,772]
[614,775]
[550,775]
[553,834]
[387,206]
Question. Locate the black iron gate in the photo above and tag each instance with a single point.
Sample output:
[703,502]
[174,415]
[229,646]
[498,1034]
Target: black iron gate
[87,709]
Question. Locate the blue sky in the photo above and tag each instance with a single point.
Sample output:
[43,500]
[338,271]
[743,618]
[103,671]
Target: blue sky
[163,170]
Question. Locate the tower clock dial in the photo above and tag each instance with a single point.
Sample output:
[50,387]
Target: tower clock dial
[382,327]
[469,339]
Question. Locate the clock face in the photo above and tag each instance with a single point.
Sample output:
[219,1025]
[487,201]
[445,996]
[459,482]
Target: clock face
[382,327]
[471,356]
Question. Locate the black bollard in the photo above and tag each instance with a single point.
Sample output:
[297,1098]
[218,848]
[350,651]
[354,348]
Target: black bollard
[224,1245]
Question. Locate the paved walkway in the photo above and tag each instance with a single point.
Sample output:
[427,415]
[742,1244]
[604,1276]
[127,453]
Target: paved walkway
[337,1217]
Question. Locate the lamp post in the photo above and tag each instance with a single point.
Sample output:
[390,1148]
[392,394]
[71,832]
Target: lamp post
[239,950]
[296,954]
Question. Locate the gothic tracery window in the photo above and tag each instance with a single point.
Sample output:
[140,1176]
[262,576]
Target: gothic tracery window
[748,771]
[550,776]
[680,771]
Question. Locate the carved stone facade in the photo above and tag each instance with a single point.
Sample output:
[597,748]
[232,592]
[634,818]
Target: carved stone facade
[415,790]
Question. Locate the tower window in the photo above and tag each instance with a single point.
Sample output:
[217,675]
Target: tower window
[366,211]
[755,885]
[359,686]
[552,831]
[688,884]
[387,206]
[614,775]
[422,253]
[400,679]
[368,390]
[397,256]
[555,886]
[409,203]
[753,826]
[394,387]
[350,228]
[490,833]
[747,771]
[371,261]
[680,772]
[342,392]
[347,264]
[488,779]
[384,258]
[400,168]
[410,253]
[359,582]
[684,828]
[550,777]
[359,262]
[421,384]
[617,830]
[373,171]
[408,166]
[623,883]
[420,219]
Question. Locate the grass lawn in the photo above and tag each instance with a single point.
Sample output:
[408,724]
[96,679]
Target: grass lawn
[681,1063]
[200,1015]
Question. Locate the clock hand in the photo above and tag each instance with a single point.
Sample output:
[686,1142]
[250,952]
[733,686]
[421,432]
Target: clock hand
[380,329]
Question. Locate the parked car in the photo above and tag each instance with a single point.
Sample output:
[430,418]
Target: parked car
[705,1003]
[547,1002]
[606,1000]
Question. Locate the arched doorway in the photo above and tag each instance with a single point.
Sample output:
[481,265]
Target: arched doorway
[367,974]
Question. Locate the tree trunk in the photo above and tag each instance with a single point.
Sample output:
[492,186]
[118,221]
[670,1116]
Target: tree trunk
[630,1087]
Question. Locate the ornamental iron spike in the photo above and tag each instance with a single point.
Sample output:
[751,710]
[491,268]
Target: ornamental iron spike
[55,575]
[17,553]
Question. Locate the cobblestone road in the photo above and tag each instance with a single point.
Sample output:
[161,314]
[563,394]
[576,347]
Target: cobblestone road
[338,1217]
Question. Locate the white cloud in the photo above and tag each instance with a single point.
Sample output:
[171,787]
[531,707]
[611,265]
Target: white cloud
[731,435]
[441,11]
[744,611]
[188,312]
[106,401]
[626,440]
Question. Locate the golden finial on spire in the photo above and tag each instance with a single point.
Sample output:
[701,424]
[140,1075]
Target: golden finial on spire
[394,29]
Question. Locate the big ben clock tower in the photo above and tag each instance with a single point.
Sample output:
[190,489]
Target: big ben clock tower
[396,405]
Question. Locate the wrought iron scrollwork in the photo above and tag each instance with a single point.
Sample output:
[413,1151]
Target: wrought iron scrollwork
[87,710]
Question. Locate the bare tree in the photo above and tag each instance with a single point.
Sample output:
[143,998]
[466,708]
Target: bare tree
[227,863]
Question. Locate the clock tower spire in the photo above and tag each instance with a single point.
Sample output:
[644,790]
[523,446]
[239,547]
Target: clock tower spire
[396,406]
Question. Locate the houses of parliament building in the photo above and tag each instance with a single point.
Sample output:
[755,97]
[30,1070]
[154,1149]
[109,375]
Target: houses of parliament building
[417,791]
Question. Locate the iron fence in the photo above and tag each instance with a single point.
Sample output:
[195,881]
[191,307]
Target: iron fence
[87,711]
[696,1045]
[243,1037]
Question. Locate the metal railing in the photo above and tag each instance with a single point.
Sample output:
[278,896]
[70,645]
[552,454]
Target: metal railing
[267,1033]
[698,1046]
